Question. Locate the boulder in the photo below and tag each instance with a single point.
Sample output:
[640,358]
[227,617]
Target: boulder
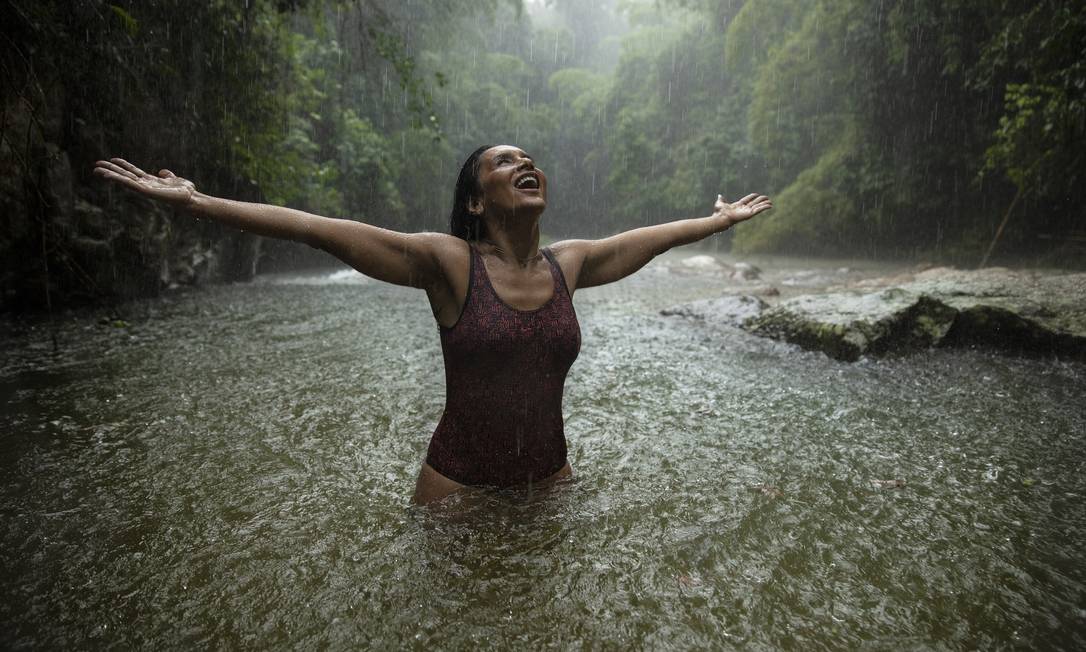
[1024,312]
[1021,311]
[848,325]
[745,272]
[699,265]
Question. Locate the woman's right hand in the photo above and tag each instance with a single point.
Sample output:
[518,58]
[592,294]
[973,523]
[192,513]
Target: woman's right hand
[166,187]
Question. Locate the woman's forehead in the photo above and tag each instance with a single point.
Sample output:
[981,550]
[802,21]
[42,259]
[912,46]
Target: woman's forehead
[498,150]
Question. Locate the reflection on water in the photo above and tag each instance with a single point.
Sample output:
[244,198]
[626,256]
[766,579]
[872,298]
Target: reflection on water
[232,468]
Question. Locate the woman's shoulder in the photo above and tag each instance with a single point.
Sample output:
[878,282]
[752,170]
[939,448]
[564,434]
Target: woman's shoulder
[447,253]
[569,254]
[443,246]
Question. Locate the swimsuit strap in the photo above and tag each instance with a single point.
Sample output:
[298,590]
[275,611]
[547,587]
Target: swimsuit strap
[556,270]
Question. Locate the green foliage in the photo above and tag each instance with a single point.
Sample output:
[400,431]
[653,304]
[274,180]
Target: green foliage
[889,104]
[1044,108]
[369,171]
[756,31]
[896,127]
[577,86]
[1032,113]
[815,213]
[678,133]
[800,105]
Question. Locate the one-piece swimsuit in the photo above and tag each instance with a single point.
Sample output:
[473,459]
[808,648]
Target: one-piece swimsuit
[505,370]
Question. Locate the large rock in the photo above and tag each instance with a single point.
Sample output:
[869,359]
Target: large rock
[1024,311]
[847,325]
[1027,312]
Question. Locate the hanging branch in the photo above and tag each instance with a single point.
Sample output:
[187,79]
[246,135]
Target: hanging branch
[999,231]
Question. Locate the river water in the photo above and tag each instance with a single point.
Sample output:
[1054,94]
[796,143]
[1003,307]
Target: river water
[232,468]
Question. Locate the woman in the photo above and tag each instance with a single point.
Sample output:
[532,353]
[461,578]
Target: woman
[504,307]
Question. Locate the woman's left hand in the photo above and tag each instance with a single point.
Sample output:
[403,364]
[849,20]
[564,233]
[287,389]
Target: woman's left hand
[744,209]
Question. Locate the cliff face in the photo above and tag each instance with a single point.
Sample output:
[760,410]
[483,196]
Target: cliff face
[67,238]
[83,81]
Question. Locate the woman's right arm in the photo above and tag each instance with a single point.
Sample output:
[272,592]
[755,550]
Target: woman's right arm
[391,256]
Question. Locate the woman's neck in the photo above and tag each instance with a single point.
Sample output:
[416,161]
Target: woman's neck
[512,242]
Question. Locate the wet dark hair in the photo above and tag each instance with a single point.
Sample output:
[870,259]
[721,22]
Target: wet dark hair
[462,223]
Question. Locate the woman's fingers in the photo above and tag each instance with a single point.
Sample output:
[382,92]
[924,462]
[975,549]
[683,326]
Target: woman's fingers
[112,173]
[128,166]
[117,177]
[746,200]
[116,169]
[166,174]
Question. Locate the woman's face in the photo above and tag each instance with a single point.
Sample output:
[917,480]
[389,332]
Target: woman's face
[510,182]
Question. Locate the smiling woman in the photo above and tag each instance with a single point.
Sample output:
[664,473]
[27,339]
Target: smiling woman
[509,333]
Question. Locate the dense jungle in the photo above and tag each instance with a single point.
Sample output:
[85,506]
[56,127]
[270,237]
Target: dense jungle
[943,132]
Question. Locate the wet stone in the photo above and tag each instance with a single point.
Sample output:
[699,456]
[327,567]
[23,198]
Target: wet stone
[710,265]
[848,325]
[1015,311]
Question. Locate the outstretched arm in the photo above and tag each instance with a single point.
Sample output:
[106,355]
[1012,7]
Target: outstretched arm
[610,259]
[400,258]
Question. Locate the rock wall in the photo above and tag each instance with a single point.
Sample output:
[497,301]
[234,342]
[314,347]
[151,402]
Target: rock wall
[67,238]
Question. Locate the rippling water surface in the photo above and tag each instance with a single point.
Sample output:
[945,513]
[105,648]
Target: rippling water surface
[232,468]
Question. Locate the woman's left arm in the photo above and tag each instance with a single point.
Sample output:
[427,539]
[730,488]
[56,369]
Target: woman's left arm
[610,259]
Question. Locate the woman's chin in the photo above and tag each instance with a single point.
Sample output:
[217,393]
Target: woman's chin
[530,204]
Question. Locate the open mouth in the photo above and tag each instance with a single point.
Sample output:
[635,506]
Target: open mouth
[529,181]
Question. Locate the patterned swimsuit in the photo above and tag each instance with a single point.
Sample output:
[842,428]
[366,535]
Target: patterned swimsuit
[504,374]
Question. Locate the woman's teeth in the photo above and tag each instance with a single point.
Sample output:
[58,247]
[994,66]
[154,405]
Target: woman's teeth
[527,182]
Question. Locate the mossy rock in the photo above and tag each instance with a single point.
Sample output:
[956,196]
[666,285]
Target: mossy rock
[848,325]
[1019,312]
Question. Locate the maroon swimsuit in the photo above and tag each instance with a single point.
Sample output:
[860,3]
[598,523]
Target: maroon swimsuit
[504,373]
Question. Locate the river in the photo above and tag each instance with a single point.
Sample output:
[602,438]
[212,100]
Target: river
[232,467]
